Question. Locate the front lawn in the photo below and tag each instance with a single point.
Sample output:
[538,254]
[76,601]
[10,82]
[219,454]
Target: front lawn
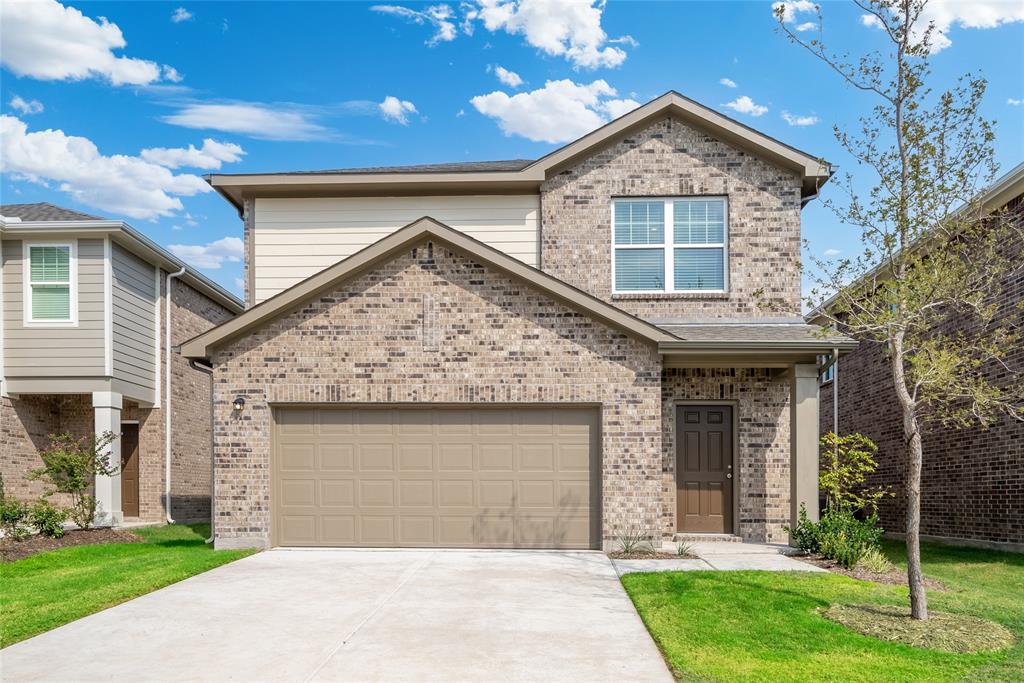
[50,589]
[756,626]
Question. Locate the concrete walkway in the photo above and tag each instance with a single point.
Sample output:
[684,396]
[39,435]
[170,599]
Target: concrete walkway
[726,557]
[351,615]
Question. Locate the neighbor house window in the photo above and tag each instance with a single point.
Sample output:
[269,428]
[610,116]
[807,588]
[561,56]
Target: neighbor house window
[830,373]
[49,283]
[669,245]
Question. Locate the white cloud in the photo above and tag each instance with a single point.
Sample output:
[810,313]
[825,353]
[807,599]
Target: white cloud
[829,253]
[945,14]
[50,42]
[745,105]
[181,14]
[121,184]
[509,78]
[171,74]
[438,16]
[727,82]
[210,156]
[239,285]
[26,106]
[1014,101]
[255,119]
[796,120]
[560,28]
[558,112]
[807,26]
[396,110]
[212,255]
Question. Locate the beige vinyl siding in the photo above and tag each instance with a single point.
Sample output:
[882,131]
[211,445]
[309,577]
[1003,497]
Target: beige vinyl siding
[134,324]
[58,351]
[295,238]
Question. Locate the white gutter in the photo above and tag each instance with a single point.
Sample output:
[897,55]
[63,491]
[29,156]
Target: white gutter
[167,393]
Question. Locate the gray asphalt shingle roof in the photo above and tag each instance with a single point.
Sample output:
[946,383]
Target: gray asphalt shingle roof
[755,332]
[455,167]
[44,211]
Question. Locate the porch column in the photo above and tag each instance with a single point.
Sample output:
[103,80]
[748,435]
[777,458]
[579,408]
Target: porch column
[106,406]
[803,441]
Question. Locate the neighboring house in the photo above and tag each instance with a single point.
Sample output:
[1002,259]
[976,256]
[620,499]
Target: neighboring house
[972,481]
[546,353]
[83,340]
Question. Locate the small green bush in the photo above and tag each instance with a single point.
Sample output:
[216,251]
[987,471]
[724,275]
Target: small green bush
[70,466]
[635,541]
[13,516]
[47,519]
[839,536]
[874,560]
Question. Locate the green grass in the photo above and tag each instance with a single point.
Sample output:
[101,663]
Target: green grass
[757,626]
[47,590]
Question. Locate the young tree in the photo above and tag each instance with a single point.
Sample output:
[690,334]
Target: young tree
[931,256]
[71,466]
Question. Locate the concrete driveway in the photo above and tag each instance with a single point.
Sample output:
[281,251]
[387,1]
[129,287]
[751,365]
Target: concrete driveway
[357,615]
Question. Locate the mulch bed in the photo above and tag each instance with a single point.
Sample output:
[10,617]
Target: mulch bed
[11,550]
[650,555]
[956,633]
[895,576]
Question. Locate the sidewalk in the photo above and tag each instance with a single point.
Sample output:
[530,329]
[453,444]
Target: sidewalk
[720,556]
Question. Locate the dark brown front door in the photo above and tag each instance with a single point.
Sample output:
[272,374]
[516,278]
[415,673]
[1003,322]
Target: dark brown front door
[704,472]
[130,470]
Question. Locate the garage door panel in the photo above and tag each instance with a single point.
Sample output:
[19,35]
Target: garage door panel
[436,477]
[337,492]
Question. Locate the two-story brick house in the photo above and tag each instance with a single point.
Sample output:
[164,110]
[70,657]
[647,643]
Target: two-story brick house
[544,353]
[972,480]
[89,312]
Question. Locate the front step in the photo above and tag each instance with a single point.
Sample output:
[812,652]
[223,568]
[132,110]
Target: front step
[702,538]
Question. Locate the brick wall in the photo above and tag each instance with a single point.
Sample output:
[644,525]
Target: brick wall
[492,340]
[670,158]
[26,424]
[761,453]
[972,483]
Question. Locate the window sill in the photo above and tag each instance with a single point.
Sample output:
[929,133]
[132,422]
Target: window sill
[704,296]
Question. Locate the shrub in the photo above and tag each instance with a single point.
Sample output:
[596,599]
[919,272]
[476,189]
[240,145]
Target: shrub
[633,541]
[70,466]
[47,519]
[847,462]
[683,548]
[805,534]
[874,560]
[13,515]
[839,536]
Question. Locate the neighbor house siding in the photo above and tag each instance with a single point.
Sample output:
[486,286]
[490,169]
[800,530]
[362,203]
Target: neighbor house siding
[57,351]
[134,326]
[295,238]
[671,159]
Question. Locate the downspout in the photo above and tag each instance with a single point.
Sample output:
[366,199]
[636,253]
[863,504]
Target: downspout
[835,396]
[201,367]
[167,394]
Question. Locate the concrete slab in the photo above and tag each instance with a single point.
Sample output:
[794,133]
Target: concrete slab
[758,562]
[324,615]
[632,566]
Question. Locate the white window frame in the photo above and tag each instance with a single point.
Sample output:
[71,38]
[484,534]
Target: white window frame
[26,269]
[668,245]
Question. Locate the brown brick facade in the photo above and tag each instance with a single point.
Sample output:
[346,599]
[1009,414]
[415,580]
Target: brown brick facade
[760,401]
[972,483]
[493,340]
[670,158]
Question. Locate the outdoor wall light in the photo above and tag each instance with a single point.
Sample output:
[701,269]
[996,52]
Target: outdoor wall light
[238,403]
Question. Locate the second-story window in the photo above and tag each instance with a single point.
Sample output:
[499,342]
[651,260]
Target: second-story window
[669,245]
[50,284]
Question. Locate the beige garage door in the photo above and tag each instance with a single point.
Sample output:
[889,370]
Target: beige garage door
[436,477]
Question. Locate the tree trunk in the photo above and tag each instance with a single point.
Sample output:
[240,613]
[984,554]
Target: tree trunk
[915,457]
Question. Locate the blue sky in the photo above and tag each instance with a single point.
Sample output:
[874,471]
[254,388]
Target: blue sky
[101,116]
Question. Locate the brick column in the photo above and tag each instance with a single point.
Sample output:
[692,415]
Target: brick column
[804,441]
[106,407]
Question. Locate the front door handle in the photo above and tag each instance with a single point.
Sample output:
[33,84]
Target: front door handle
[729,475]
